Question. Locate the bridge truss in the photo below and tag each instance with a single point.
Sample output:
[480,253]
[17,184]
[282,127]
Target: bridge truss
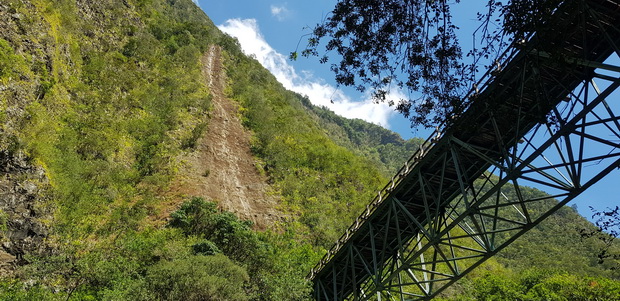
[547,119]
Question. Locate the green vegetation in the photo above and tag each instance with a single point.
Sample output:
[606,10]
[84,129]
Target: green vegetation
[382,146]
[536,284]
[556,243]
[325,185]
[105,96]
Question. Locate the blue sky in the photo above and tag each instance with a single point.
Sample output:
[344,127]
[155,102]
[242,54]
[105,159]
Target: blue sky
[271,29]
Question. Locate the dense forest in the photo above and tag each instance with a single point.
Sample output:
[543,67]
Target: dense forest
[100,101]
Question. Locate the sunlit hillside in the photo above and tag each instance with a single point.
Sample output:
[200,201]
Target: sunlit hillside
[143,156]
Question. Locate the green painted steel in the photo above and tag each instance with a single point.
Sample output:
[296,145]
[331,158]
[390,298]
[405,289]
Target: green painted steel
[545,119]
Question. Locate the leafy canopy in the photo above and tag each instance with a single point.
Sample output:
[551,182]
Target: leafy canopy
[412,45]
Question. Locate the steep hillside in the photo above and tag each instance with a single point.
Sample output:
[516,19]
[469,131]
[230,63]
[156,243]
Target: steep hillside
[382,146]
[221,167]
[110,123]
[141,150]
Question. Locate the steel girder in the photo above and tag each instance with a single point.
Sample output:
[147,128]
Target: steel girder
[483,219]
[544,120]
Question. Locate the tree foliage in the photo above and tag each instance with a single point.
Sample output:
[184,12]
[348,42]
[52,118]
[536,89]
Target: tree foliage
[389,44]
[540,284]
[197,278]
[412,46]
[221,230]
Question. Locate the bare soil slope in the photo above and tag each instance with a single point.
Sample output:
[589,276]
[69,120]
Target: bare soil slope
[222,167]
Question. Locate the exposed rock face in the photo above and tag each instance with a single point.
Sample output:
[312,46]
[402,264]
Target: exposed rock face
[22,204]
[21,210]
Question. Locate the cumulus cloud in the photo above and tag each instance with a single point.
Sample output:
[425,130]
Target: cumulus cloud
[318,91]
[280,12]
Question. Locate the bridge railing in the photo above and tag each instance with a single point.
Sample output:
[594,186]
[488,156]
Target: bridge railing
[506,56]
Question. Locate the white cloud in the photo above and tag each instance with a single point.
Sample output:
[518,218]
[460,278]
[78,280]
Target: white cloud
[280,12]
[319,92]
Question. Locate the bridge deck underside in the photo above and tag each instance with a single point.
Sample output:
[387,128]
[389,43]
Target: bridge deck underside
[542,74]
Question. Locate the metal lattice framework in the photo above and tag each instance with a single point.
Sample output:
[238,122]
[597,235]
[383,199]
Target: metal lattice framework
[545,119]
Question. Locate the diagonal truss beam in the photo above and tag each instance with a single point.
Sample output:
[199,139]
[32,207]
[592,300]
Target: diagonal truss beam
[549,120]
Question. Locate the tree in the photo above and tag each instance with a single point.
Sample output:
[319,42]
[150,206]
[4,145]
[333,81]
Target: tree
[197,278]
[412,45]
[222,231]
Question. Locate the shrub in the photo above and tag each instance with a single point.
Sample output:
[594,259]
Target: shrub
[197,278]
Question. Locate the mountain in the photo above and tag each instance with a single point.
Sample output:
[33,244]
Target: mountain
[143,156]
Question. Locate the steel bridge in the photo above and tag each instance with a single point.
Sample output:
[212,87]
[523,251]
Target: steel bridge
[544,117]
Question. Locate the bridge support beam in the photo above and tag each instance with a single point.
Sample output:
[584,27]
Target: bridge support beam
[548,121]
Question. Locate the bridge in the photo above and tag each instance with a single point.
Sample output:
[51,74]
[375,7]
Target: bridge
[544,117]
